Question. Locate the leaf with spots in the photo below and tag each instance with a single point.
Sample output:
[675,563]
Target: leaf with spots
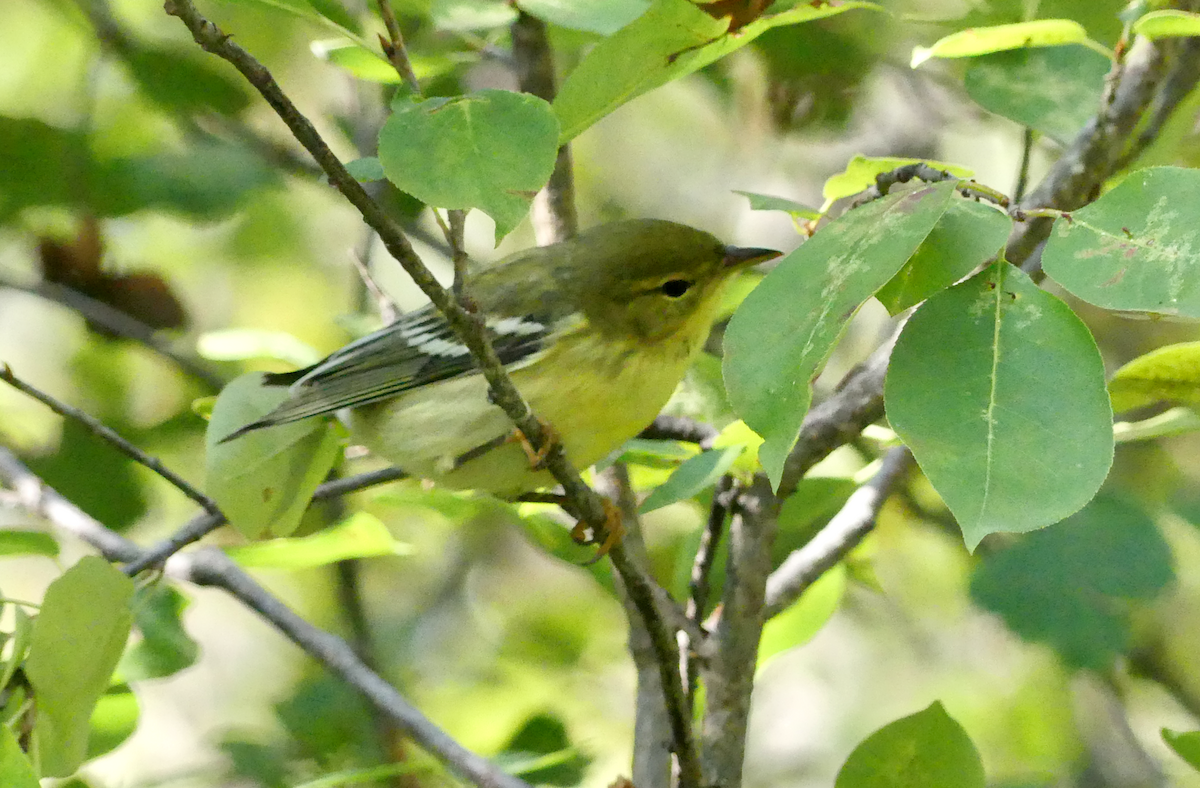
[998,389]
[263,480]
[1135,248]
[785,329]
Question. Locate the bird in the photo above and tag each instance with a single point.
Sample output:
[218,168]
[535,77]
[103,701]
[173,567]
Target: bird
[595,332]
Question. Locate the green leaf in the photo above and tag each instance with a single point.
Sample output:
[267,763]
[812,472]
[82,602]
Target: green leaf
[362,535]
[27,543]
[998,38]
[77,639]
[968,234]
[15,768]
[594,16]
[1135,248]
[784,330]
[173,79]
[1064,585]
[165,648]
[263,481]
[928,749]
[544,735]
[671,39]
[358,60]
[491,149]
[1168,374]
[1052,90]
[861,171]
[693,476]
[466,15]
[329,14]
[1167,24]
[804,619]
[1185,745]
[998,389]
[765,202]
[17,652]
[114,720]
[242,344]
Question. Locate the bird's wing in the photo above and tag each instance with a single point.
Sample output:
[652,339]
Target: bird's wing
[418,349]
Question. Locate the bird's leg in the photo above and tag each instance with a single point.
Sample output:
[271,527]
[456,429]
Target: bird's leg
[609,535]
[537,457]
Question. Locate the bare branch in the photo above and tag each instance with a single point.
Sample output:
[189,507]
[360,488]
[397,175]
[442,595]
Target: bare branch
[681,428]
[107,435]
[394,49]
[847,528]
[724,493]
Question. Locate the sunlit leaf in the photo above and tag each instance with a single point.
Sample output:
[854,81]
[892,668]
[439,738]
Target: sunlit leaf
[1185,745]
[27,543]
[14,765]
[861,171]
[800,622]
[114,720]
[998,389]
[765,202]
[242,344]
[1168,374]
[1167,23]
[362,535]
[76,641]
[998,38]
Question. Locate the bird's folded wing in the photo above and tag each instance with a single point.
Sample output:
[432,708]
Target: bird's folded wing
[417,350]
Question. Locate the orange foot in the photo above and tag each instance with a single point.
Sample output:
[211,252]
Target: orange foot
[608,537]
[537,457]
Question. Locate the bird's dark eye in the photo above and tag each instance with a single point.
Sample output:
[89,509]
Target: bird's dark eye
[674,288]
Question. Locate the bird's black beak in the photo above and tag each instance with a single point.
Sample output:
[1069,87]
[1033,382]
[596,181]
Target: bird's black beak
[744,257]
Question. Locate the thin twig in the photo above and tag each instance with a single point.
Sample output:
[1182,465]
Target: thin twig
[681,428]
[467,326]
[394,49]
[1023,169]
[723,495]
[201,526]
[211,567]
[120,323]
[110,437]
[854,521]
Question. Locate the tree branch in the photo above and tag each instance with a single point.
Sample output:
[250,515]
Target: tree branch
[847,528]
[729,674]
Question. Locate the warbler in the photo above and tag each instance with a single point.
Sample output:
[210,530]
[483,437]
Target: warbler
[596,333]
